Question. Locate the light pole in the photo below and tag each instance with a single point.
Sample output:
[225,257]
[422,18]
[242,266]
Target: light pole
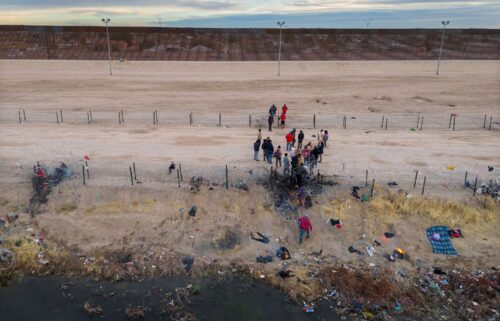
[444,23]
[106,21]
[281,24]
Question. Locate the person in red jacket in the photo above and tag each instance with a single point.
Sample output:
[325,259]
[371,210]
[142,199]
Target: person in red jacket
[284,109]
[305,227]
[289,141]
[283,119]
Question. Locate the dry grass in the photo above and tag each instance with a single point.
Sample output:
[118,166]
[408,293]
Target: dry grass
[482,215]
[66,208]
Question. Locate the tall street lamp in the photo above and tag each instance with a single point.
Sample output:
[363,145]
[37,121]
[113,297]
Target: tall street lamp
[281,24]
[444,23]
[106,21]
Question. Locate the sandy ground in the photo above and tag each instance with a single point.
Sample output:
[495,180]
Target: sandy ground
[108,214]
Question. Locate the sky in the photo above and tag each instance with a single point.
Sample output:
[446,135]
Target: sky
[255,13]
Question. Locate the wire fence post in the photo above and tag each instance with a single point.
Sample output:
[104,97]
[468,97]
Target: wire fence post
[373,185]
[454,118]
[62,120]
[123,119]
[24,115]
[475,187]
[423,186]
[178,179]
[491,119]
[382,125]
[131,177]
[314,120]
[83,174]
[421,123]
[415,181]
[249,121]
[418,120]
[220,120]
[180,172]
[227,178]
[386,123]
[484,123]
[465,180]
[449,124]
[87,167]
[133,165]
[19,112]
[366,179]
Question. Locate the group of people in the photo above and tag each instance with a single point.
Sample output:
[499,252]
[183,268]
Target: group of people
[281,118]
[292,159]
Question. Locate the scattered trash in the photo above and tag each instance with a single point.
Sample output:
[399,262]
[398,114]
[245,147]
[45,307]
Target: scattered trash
[42,260]
[389,235]
[192,211]
[137,313]
[490,168]
[439,271]
[91,310]
[450,167]
[370,250]
[455,233]
[264,259]
[285,274]
[392,184]
[241,185]
[187,262]
[308,308]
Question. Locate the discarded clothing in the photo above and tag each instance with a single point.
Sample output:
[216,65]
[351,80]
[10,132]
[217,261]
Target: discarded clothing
[389,235]
[262,238]
[264,259]
[455,233]
[283,253]
[285,274]
[439,271]
[490,168]
[440,240]
[192,211]
[392,184]
[336,223]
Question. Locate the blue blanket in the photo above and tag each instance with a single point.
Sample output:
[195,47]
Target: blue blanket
[440,240]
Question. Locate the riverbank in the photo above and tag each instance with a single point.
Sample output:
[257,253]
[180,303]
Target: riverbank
[78,235]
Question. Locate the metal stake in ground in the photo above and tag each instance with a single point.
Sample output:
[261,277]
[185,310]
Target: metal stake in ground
[119,118]
[371,191]
[415,181]
[449,125]
[475,187]
[178,178]
[454,118]
[19,112]
[123,119]
[418,120]
[465,180]
[133,165]
[484,123]
[366,179]
[156,113]
[62,120]
[382,125]
[314,120]
[220,120]
[131,177]
[83,174]
[24,115]
[154,118]
[421,123]
[87,167]
[180,172]
[227,178]
[249,121]
[491,119]
[423,186]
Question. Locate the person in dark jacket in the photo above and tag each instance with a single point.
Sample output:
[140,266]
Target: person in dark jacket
[256,148]
[321,148]
[270,121]
[270,151]
[301,139]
